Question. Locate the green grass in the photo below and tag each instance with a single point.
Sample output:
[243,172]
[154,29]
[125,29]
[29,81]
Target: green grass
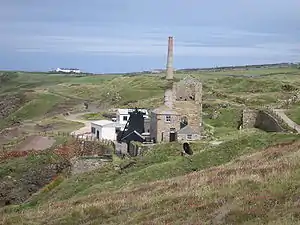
[37,107]
[60,124]
[150,174]
[146,91]
[294,113]
[93,116]
[162,163]
[18,166]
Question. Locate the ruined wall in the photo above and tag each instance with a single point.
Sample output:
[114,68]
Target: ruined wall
[82,165]
[249,118]
[190,110]
[261,120]
[188,102]
[93,148]
[266,122]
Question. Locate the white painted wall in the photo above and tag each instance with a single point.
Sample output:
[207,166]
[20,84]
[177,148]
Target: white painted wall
[121,120]
[121,113]
[107,132]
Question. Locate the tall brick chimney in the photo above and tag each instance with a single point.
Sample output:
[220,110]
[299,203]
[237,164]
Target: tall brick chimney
[170,74]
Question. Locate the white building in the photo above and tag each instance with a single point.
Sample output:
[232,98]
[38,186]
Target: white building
[104,129]
[107,129]
[66,70]
[122,116]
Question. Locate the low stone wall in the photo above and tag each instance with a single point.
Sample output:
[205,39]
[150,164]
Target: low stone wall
[261,119]
[94,148]
[82,164]
[249,118]
[136,148]
[267,122]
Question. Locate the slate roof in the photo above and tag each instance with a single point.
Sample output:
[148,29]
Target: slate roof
[187,130]
[134,132]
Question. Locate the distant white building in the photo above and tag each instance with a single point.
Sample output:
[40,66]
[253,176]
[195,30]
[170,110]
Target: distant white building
[66,70]
[104,129]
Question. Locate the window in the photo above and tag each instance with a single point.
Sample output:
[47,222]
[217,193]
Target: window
[183,122]
[189,136]
[93,130]
[168,118]
[125,118]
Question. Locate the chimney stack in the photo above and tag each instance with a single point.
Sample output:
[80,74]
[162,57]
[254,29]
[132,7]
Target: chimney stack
[170,60]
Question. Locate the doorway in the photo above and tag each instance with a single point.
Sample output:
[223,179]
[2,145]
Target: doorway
[173,135]
[98,134]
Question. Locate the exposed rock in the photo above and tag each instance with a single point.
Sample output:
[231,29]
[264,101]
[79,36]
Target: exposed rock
[10,103]
[16,191]
[81,165]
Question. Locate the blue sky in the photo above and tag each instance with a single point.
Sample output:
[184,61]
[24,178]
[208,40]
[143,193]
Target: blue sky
[131,35]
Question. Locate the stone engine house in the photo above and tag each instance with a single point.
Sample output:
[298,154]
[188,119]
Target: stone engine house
[180,117]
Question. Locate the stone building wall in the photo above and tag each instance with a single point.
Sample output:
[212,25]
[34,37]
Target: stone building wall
[249,118]
[183,137]
[153,126]
[252,118]
[161,129]
[268,123]
[169,97]
[188,102]
[183,100]
[190,110]
[93,147]
[165,127]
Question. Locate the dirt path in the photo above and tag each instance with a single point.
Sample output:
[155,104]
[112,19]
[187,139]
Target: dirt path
[85,130]
[35,143]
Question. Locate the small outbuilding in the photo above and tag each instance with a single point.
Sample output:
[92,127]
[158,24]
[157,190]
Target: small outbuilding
[165,123]
[104,129]
[187,134]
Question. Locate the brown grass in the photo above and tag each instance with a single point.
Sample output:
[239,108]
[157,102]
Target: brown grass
[258,189]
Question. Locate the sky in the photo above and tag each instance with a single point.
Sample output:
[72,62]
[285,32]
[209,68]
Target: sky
[107,36]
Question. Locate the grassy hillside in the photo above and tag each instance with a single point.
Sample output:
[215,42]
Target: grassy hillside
[57,93]
[221,180]
[235,177]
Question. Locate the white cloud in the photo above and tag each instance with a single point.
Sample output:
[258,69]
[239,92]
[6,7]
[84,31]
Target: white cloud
[149,47]
[204,41]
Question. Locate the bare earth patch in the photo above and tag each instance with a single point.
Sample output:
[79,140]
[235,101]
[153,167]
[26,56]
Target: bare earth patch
[35,143]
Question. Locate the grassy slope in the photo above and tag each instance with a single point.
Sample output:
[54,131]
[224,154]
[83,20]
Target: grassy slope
[294,113]
[145,91]
[105,196]
[145,191]
[59,123]
[16,167]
